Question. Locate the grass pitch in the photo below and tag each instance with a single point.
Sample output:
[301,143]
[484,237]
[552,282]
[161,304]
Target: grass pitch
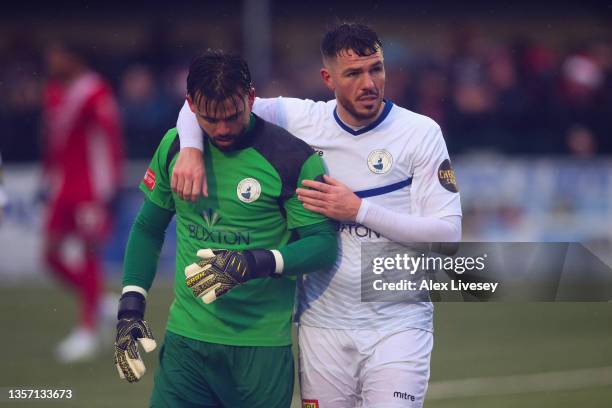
[501,349]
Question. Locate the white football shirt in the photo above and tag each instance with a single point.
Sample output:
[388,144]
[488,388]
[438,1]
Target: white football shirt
[393,162]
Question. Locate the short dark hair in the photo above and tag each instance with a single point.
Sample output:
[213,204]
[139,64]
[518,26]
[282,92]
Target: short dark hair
[218,76]
[355,37]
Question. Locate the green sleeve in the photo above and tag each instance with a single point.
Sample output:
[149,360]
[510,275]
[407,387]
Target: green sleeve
[156,182]
[297,216]
[144,244]
[316,249]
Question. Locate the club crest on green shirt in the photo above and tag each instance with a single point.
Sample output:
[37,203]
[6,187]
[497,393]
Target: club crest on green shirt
[248,190]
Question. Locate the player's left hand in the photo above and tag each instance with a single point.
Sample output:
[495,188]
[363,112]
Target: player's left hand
[221,270]
[332,199]
[132,330]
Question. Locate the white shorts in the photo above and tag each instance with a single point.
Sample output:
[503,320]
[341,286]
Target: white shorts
[363,368]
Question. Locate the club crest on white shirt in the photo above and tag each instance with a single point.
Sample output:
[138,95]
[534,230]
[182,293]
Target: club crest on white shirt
[380,161]
[248,190]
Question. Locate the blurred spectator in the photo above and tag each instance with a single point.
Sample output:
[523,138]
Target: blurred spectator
[511,104]
[581,98]
[82,170]
[471,98]
[431,96]
[20,87]
[146,112]
[581,142]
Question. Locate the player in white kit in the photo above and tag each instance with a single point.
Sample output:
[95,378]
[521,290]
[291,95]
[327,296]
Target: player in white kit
[390,179]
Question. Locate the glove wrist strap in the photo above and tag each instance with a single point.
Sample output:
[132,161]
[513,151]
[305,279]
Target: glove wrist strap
[262,262]
[131,305]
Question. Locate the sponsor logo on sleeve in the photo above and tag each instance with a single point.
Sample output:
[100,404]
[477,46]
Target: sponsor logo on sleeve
[149,179]
[446,176]
[310,403]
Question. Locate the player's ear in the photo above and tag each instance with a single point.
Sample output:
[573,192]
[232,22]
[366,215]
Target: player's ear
[251,97]
[327,79]
[191,104]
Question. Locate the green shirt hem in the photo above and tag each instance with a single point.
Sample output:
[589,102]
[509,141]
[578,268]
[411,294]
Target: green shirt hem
[233,341]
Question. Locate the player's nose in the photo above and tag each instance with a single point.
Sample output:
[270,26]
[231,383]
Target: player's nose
[223,128]
[368,82]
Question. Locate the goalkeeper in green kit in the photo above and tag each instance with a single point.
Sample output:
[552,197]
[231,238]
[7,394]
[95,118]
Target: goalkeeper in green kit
[228,338]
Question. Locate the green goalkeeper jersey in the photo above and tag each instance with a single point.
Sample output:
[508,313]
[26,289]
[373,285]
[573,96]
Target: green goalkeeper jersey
[251,203]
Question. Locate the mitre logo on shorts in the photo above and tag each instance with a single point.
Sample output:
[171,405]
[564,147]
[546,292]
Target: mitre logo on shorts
[447,178]
[404,395]
[248,190]
[380,161]
[310,403]
[149,179]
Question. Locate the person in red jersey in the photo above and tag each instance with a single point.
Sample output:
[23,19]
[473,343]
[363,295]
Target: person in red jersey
[82,170]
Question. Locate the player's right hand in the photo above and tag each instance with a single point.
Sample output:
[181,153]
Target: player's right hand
[221,270]
[217,273]
[189,175]
[131,330]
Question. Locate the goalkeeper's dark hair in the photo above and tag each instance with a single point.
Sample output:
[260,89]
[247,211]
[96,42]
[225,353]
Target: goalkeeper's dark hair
[356,37]
[217,76]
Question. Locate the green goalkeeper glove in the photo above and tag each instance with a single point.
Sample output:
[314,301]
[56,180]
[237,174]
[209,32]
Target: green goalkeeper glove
[221,270]
[132,328]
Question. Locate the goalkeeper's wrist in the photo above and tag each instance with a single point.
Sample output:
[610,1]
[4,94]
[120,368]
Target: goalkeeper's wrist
[265,263]
[132,304]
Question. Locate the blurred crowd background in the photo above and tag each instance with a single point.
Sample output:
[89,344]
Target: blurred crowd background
[522,93]
[532,80]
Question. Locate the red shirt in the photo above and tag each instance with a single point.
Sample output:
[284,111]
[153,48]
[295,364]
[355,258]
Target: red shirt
[83,139]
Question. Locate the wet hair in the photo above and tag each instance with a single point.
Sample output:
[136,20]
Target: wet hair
[356,37]
[217,76]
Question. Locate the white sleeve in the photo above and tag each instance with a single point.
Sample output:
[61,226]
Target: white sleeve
[291,114]
[401,227]
[269,109]
[434,191]
[435,202]
[191,135]
[189,131]
[287,113]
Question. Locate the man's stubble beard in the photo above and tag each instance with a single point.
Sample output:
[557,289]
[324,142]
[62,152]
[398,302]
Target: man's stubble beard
[350,108]
[237,140]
